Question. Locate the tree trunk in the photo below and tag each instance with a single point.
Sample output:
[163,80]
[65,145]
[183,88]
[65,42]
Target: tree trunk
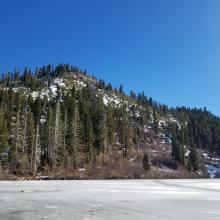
[24,135]
[64,145]
[17,133]
[0,168]
[37,151]
[56,134]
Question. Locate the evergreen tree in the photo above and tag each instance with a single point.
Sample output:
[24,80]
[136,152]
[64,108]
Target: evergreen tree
[30,135]
[155,122]
[121,89]
[146,163]
[78,151]
[3,134]
[110,125]
[193,159]
[176,152]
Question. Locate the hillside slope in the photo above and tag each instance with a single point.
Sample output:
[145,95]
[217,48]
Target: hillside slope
[63,123]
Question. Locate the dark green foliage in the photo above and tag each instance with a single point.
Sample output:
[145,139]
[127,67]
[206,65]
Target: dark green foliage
[110,125]
[155,122]
[176,151]
[3,133]
[121,89]
[193,159]
[74,127]
[146,163]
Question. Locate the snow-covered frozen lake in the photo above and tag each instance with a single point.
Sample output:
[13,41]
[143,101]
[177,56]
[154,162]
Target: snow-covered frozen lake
[111,199]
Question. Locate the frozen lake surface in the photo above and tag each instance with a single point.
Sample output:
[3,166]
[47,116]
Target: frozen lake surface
[111,199]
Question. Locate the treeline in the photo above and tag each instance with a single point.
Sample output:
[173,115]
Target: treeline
[76,128]
[203,126]
[38,78]
[66,132]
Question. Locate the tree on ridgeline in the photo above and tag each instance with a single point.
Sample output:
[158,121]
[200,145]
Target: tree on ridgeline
[146,163]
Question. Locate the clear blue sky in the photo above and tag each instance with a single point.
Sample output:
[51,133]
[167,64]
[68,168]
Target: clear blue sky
[168,48]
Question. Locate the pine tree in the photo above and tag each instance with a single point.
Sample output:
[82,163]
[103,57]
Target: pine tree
[125,131]
[49,126]
[110,126]
[30,139]
[64,140]
[78,151]
[70,127]
[57,148]
[44,140]
[99,121]
[3,134]
[193,159]
[176,153]
[121,89]
[146,163]
[36,152]
[90,140]
[155,122]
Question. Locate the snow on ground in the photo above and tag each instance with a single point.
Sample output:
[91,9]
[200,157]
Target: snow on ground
[59,82]
[111,199]
[187,152]
[113,99]
[81,84]
[53,90]
[206,156]
[146,129]
[162,123]
[105,100]
[35,94]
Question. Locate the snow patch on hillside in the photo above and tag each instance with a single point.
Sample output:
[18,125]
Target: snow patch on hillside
[113,100]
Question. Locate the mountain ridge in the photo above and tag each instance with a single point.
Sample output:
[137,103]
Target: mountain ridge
[82,127]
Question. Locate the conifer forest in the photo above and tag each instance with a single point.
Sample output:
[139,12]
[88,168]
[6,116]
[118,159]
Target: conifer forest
[61,122]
